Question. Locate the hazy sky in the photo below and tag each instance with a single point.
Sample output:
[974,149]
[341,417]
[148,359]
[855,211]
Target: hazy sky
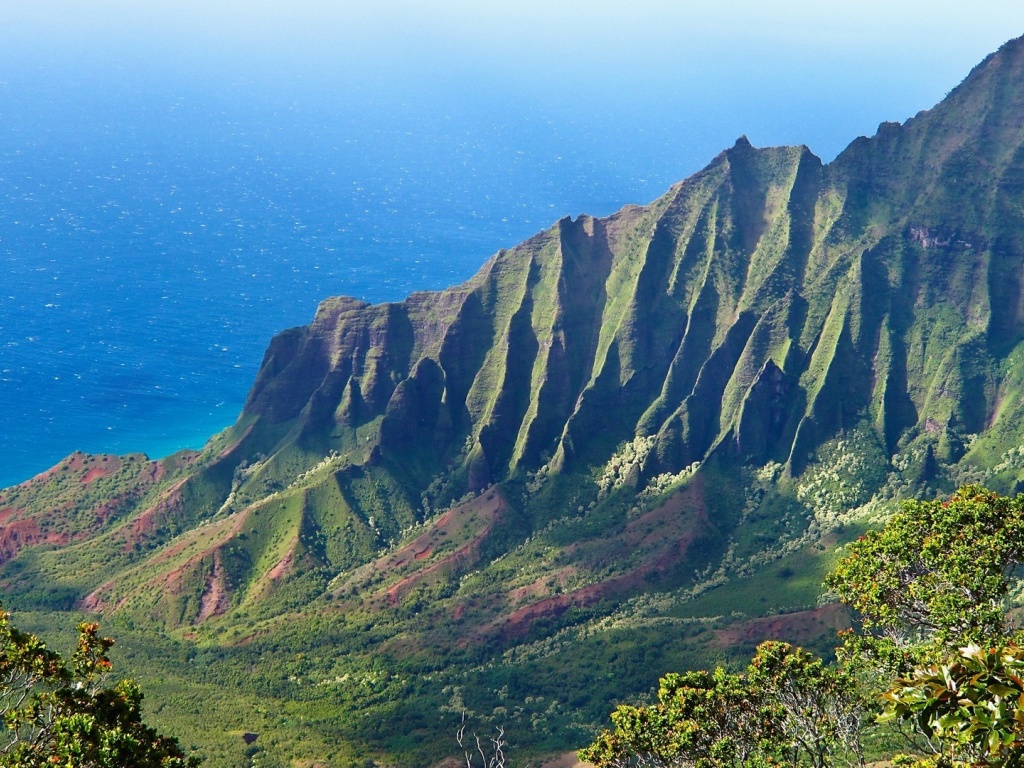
[593,29]
[877,59]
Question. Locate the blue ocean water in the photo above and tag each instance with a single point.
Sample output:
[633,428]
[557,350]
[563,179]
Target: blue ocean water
[155,232]
[152,243]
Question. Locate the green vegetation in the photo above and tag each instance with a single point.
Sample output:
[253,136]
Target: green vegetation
[930,587]
[939,572]
[54,714]
[788,708]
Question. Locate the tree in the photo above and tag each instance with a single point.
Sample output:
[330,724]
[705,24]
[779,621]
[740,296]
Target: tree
[702,719]
[823,707]
[788,708]
[938,571]
[56,715]
[491,756]
[931,588]
[934,655]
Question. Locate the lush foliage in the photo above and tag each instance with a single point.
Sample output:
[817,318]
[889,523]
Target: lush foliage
[702,719]
[938,570]
[823,706]
[970,706]
[55,714]
[788,708]
[938,574]
[846,332]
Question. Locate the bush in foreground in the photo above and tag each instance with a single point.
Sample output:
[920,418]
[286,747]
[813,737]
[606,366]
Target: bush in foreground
[55,714]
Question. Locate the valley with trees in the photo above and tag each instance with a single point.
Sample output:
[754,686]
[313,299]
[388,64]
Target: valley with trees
[932,672]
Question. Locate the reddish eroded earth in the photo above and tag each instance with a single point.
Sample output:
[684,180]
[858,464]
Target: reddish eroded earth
[518,623]
[234,445]
[146,523]
[662,538]
[73,511]
[561,578]
[429,555]
[98,600]
[19,534]
[206,544]
[480,514]
[84,471]
[215,599]
[797,628]
[284,566]
[96,473]
[109,596]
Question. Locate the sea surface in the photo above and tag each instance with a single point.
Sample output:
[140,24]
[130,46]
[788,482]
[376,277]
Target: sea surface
[156,232]
[152,245]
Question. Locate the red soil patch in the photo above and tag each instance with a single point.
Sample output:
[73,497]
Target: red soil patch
[279,570]
[92,468]
[663,535]
[541,586]
[98,600]
[107,510]
[19,534]
[215,599]
[284,566]
[95,474]
[101,599]
[232,447]
[474,519]
[487,508]
[184,542]
[77,461]
[798,627]
[143,526]
[648,529]
[82,470]
[175,582]
[463,556]
[518,623]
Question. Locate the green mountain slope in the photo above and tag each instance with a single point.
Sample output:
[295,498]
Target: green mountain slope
[626,444]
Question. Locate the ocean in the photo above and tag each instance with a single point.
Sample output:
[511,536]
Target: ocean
[152,245]
[156,232]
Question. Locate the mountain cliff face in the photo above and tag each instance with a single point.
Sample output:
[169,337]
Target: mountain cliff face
[759,308]
[666,401]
